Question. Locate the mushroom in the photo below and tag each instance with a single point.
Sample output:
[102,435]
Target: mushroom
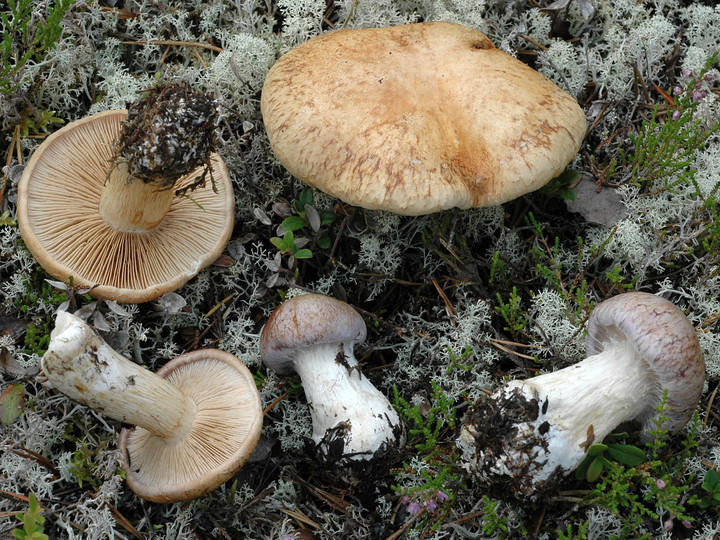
[529,434]
[197,420]
[314,335]
[418,118]
[88,216]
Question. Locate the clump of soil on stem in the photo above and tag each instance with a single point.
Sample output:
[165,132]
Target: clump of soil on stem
[169,133]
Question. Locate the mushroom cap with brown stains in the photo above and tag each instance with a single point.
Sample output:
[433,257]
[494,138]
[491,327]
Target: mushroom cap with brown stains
[663,336]
[305,321]
[58,201]
[223,436]
[418,118]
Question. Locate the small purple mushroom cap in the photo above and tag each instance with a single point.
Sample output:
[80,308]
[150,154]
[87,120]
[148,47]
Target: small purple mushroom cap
[314,336]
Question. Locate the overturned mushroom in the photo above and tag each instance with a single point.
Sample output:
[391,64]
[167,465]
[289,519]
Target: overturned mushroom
[198,419]
[529,434]
[98,202]
[314,335]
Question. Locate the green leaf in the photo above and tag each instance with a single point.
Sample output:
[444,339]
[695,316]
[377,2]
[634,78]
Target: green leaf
[596,449]
[303,254]
[627,454]
[327,217]
[306,197]
[278,243]
[32,522]
[11,403]
[581,471]
[595,469]
[711,482]
[324,242]
[7,219]
[621,434]
[293,223]
[568,194]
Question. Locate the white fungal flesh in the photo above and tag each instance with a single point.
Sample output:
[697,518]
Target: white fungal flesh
[338,393]
[576,407]
[82,366]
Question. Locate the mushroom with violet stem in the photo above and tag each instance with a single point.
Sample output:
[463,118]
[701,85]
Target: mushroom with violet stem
[314,335]
[417,118]
[529,434]
[198,419]
[98,204]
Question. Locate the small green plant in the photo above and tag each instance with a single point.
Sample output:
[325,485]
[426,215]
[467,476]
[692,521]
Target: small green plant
[562,185]
[6,217]
[567,279]
[308,219]
[570,534]
[711,486]
[492,522]
[615,276]
[497,270]
[664,148]
[32,528]
[599,456]
[40,122]
[37,337]
[12,399]
[640,491]
[26,37]
[512,312]
[434,482]
[424,427]
[82,464]
[289,246]
[456,362]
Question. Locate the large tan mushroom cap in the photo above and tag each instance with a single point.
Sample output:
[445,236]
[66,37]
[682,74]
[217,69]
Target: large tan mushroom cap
[418,118]
[59,196]
[222,438]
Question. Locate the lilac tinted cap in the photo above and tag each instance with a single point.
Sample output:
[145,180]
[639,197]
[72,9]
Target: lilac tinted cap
[304,321]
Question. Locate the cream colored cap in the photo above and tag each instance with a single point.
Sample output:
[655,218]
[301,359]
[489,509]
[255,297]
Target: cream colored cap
[59,197]
[418,118]
[223,436]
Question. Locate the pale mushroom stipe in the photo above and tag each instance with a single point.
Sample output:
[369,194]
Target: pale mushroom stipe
[88,218]
[314,335]
[529,434]
[416,119]
[198,419]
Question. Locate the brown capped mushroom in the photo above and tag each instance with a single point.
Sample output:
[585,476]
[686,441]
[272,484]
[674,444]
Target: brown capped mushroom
[314,335]
[197,420]
[417,118]
[86,218]
[530,433]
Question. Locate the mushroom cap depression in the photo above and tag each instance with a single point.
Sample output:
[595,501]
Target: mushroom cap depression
[304,321]
[418,118]
[222,438]
[665,339]
[59,196]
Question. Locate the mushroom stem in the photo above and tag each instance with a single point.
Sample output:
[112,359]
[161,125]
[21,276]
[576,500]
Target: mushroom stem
[544,426]
[529,434]
[128,204]
[338,393]
[85,368]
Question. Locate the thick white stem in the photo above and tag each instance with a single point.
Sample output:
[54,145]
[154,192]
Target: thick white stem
[587,401]
[530,433]
[337,392]
[128,204]
[85,368]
